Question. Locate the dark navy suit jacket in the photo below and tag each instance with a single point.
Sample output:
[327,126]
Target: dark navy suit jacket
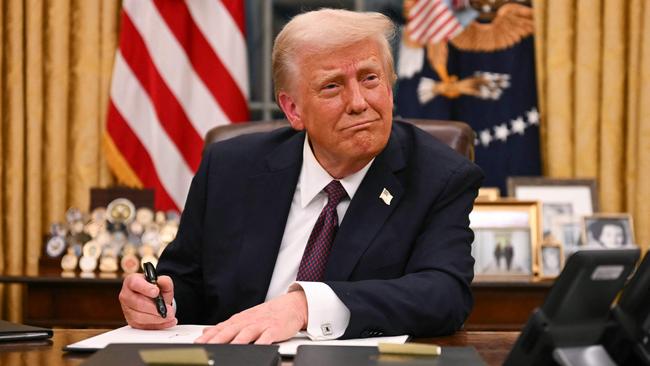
[403,268]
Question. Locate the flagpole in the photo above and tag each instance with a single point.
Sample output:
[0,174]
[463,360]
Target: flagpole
[267,95]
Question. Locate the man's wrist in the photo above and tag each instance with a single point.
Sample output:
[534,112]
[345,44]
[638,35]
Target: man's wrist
[301,304]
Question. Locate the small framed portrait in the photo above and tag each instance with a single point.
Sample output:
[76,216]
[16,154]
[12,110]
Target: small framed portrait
[559,197]
[608,231]
[551,259]
[567,231]
[506,235]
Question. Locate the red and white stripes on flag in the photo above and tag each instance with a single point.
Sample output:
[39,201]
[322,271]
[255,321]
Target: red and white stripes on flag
[180,70]
[431,21]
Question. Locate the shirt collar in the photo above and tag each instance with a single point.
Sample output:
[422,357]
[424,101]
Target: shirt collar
[313,178]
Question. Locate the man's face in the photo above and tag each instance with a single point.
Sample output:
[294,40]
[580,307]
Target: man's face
[343,98]
[611,236]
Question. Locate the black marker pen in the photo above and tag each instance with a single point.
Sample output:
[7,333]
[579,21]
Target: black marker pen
[151,277]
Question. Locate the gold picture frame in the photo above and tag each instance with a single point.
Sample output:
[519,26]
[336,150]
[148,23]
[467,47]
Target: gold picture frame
[506,239]
[488,194]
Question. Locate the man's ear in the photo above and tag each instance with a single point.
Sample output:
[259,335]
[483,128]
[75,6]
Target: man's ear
[290,109]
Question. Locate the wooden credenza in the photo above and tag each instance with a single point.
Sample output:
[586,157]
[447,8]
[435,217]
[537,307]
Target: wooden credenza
[77,301]
[501,306]
[54,300]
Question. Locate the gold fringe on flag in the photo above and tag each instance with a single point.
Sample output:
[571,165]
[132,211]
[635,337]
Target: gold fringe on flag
[122,170]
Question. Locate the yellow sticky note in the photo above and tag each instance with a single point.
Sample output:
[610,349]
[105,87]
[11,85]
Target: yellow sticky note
[418,349]
[176,356]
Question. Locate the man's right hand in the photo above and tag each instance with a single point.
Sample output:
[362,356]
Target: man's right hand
[136,299]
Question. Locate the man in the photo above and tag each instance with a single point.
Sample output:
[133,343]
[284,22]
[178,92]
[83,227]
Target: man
[263,209]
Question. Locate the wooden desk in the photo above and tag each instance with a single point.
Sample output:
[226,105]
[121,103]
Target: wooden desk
[52,300]
[492,346]
[505,305]
[78,301]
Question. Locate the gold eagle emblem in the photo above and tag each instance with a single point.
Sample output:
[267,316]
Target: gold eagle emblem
[501,25]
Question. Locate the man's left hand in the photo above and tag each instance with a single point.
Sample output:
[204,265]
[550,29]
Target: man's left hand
[273,321]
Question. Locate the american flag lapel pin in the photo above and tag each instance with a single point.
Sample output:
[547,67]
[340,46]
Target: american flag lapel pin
[386,197]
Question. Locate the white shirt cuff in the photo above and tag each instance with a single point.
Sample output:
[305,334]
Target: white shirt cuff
[327,316]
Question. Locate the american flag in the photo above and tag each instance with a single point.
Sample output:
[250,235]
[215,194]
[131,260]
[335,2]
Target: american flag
[431,21]
[179,71]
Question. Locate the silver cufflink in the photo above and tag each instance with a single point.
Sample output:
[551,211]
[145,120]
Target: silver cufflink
[326,329]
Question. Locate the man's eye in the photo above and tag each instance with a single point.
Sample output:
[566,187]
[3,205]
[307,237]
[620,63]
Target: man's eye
[329,86]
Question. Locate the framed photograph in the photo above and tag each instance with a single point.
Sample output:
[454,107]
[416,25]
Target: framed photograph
[567,230]
[608,231]
[551,259]
[488,194]
[506,236]
[573,198]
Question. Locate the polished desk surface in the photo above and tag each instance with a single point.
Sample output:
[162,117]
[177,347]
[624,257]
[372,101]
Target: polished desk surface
[492,346]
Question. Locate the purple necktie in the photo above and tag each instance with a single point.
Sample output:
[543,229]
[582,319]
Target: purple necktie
[314,259]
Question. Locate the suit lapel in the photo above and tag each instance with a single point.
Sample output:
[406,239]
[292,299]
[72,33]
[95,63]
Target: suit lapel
[270,191]
[367,212]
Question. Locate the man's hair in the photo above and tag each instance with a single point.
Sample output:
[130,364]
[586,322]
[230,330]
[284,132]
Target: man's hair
[324,30]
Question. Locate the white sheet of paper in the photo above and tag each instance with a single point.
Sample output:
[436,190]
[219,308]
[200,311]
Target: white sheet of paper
[188,333]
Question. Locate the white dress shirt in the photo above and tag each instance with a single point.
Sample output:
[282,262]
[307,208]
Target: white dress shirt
[327,316]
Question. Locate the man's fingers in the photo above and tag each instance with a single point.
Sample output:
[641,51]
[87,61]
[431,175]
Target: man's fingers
[247,335]
[216,334]
[136,283]
[147,316]
[166,288]
[151,326]
[224,336]
[267,337]
[208,333]
[137,302]
[141,312]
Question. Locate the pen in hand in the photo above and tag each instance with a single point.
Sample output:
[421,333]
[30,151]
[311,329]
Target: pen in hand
[151,277]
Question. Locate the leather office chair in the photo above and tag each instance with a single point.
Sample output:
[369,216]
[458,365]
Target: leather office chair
[458,135]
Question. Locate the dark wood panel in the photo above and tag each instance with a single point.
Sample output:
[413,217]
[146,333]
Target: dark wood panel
[73,305]
[504,307]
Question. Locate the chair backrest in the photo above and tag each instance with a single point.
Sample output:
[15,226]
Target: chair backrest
[458,135]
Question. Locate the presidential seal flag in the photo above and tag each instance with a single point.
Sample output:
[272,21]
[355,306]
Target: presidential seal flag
[482,73]
[180,70]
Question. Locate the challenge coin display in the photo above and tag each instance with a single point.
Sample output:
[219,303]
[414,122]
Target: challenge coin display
[108,264]
[87,263]
[69,261]
[118,237]
[120,210]
[144,216]
[130,263]
[92,228]
[55,246]
[98,214]
[92,249]
[58,229]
